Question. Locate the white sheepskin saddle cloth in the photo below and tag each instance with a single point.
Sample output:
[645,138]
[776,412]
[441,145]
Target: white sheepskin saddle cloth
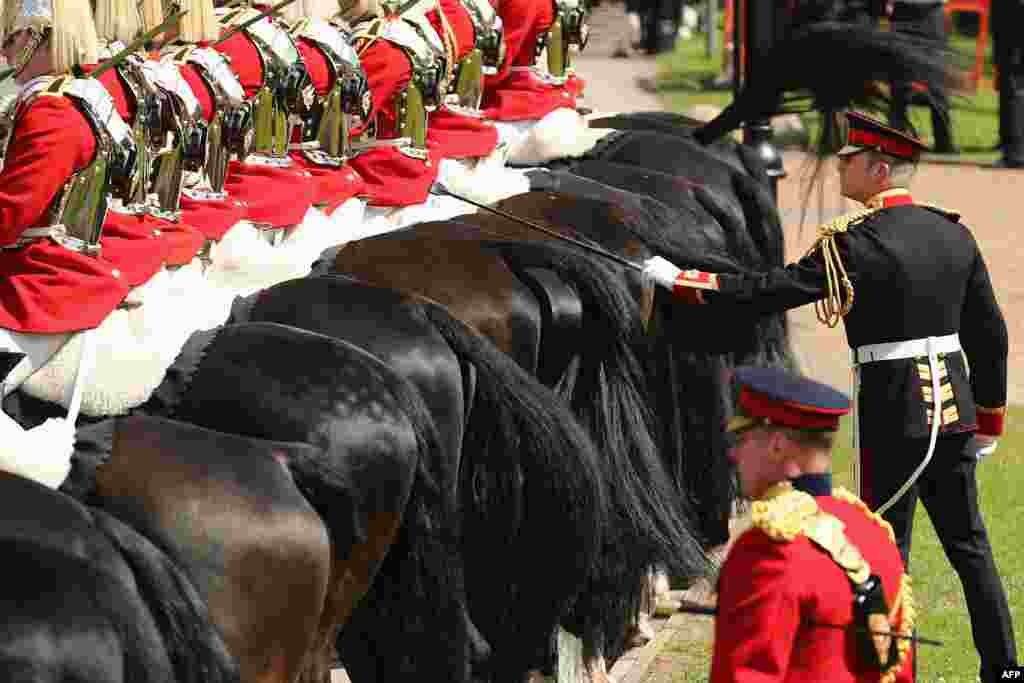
[383,219]
[486,180]
[561,134]
[244,261]
[133,347]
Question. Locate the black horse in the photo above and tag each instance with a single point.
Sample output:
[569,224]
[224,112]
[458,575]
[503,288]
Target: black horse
[89,599]
[352,442]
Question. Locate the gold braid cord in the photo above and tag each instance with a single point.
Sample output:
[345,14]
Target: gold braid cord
[367,37]
[450,47]
[839,290]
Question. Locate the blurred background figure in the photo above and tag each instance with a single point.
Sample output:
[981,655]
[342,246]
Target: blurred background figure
[1008,38]
[923,18]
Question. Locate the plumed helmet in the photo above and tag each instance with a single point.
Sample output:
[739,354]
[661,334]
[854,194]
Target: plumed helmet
[68,24]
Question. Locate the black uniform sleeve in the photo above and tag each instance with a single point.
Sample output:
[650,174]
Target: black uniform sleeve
[984,339]
[781,289]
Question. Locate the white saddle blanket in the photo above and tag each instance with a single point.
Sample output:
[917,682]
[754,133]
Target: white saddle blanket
[244,261]
[133,347]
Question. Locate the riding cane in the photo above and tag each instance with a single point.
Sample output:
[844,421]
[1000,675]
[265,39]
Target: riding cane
[439,189]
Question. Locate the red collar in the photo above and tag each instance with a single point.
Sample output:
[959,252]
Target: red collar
[894,197]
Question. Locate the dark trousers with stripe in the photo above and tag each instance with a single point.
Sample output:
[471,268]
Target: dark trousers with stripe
[949,491]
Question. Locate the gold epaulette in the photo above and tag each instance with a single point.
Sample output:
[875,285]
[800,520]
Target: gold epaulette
[783,512]
[837,302]
[946,213]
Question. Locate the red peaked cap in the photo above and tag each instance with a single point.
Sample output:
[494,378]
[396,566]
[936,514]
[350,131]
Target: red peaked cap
[863,132]
[782,398]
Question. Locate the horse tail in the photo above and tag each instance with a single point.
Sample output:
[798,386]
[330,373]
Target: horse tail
[194,645]
[860,58]
[533,500]
[652,524]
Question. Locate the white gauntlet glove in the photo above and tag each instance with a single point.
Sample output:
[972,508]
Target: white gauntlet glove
[661,272]
[42,453]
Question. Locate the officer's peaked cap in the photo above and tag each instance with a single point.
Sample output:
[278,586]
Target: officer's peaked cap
[778,397]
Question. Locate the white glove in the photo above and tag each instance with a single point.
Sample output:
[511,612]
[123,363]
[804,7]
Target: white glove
[42,453]
[986,445]
[661,272]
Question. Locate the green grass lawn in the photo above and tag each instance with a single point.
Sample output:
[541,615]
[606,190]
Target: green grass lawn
[975,116]
[942,612]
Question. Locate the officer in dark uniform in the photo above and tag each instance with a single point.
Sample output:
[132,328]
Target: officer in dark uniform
[923,295]
[1008,41]
[791,579]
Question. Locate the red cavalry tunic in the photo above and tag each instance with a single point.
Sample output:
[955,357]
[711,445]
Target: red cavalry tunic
[271,194]
[392,178]
[335,186]
[771,592]
[213,217]
[458,135]
[519,95]
[140,244]
[44,287]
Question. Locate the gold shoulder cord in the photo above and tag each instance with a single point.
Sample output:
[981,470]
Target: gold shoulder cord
[369,37]
[450,46]
[839,290]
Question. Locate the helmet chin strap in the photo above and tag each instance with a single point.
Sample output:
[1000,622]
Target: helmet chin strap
[36,38]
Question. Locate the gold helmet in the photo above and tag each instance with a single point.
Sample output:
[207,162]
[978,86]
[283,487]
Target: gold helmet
[65,26]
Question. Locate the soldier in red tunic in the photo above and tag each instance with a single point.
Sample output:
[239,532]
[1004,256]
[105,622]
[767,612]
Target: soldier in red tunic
[816,588]
[521,90]
[54,280]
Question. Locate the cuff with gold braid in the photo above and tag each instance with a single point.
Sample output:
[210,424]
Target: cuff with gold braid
[684,284]
[990,420]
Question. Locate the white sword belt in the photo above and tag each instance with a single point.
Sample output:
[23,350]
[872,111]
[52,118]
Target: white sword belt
[930,347]
[912,348]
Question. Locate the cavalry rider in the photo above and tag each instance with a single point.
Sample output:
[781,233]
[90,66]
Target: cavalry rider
[818,577]
[322,144]
[66,145]
[923,295]
[137,98]
[522,90]
[527,100]
[403,58]
[247,161]
[474,161]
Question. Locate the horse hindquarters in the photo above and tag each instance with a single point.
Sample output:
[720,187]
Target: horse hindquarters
[365,475]
[104,605]
[228,511]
